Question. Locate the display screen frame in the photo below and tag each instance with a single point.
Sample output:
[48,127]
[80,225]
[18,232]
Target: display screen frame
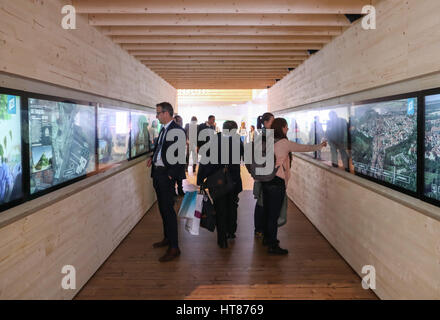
[150,151]
[102,166]
[420,108]
[421,173]
[29,95]
[24,97]
[24,164]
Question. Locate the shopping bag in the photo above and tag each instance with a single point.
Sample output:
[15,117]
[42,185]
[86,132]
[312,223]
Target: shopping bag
[188,206]
[192,225]
[207,220]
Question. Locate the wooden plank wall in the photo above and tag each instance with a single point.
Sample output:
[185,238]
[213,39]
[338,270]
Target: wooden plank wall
[405,45]
[402,55]
[369,229]
[81,230]
[34,45]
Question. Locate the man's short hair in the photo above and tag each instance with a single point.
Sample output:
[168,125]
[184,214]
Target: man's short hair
[210,117]
[166,106]
[230,125]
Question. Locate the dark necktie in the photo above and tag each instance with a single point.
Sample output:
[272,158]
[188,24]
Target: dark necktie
[159,144]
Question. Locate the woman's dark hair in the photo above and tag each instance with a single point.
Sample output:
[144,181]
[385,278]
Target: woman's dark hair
[230,125]
[277,125]
[262,119]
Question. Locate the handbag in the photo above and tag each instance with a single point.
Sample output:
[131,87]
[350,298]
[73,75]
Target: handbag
[219,183]
[208,218]
[192,224]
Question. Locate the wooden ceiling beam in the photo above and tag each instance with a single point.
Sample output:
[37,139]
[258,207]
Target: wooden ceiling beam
[213,31]
[220,39]
[198,19]
[221,84]
[222,46]
[224,6]
[245,64]
[169,53]
[145,58]
[219,67]
[224,74]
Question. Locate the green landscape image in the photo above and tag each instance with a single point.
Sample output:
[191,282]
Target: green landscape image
[10,149]
[384,141]
[41,158]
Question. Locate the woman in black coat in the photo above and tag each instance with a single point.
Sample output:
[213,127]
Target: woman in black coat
[225,205]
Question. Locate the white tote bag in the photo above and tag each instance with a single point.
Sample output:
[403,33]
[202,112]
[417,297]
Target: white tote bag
[192,224]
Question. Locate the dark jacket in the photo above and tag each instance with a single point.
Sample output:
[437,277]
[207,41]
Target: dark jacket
[205,170]
[175,171]
[201,127]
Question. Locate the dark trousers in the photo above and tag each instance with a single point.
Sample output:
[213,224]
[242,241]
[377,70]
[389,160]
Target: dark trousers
[259,218]
[232,221]
[223,209]
[165,192]
[274,192]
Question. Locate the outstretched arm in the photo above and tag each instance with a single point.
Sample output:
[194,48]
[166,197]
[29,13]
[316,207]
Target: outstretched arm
[296,147]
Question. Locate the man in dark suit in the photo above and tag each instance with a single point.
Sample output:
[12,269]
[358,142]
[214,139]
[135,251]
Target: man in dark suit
[164,175]
[210,124]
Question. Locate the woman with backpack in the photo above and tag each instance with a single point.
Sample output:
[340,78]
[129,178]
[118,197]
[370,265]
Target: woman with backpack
[274,191]
[264,122]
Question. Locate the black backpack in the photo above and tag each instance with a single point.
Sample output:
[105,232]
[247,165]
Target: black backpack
[253,166]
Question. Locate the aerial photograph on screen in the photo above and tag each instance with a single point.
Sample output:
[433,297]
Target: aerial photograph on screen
[384,141]
[432,147]
[62,142]
[10,149]
[113,136]
[141,124]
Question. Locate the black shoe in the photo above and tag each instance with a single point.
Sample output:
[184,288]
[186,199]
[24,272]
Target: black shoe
[171,254]
[161,244]
[277,250]
[266,243]
[223,244]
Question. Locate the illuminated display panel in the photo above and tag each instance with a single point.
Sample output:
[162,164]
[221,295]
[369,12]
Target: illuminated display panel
[10,149]
[432,147]
[113,136]
[144,130]
[61,141]
[384,141]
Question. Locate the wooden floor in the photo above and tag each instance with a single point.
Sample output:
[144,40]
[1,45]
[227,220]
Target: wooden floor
[311,270]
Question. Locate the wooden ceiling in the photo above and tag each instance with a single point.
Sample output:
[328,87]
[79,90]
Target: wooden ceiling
[203,44]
